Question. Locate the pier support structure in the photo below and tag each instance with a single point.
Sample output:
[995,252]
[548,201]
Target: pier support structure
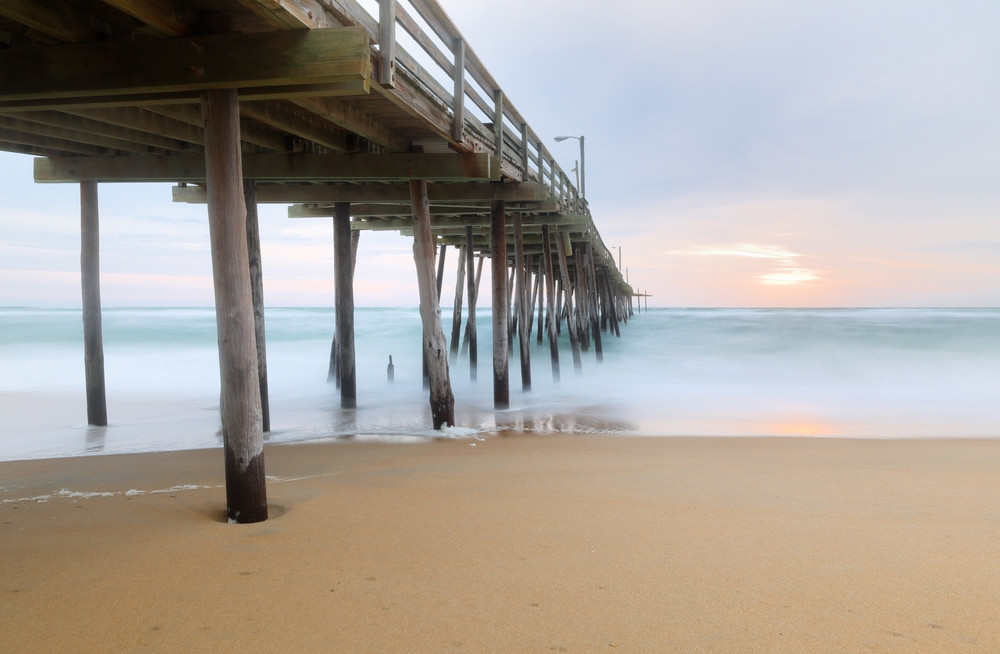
[343,261]
[498,254]
[435,345]
[524,311]
[470,327]
[567,288]
[246,495]
[550,294]
[456,314]
[90,273]
[257,292]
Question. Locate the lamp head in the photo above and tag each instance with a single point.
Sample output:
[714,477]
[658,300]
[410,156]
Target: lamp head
[560,139]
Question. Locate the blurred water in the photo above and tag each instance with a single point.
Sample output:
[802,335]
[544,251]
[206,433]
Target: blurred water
[831,372]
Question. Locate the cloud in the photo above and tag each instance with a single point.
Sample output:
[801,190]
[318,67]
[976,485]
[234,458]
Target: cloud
[741,250]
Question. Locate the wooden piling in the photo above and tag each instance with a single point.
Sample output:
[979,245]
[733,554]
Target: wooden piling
[568,301]
[524,311]
[612,304]
[257,293]
[470,328]
[498,253]
[534,295]
[344,280]
[246,494]
[456,314]
[390,371]
[581,304]
[595,327]
[435,347]
[90,274]
[541,300]
[550,294]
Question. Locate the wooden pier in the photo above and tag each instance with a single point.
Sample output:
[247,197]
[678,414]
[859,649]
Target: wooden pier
[315,104]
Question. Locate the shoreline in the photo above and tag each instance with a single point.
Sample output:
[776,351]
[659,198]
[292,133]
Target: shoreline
[521,543]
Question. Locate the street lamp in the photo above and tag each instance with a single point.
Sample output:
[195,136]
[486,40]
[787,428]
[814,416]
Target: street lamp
[583,167]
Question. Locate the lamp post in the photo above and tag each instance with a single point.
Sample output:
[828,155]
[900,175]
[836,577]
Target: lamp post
[583,166]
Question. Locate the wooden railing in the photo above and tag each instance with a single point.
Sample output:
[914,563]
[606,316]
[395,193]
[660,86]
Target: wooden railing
[516,144]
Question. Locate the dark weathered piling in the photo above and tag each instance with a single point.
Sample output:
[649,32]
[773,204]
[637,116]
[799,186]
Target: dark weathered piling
[456,314]
[257,292]
[580,301]
[390,371]
[470,328]
[595,327]
[568,292]
[524,311]
[498,253]
[550,295]
[344,279]
[435,347]
[90,274]
[612,303]
[246,494]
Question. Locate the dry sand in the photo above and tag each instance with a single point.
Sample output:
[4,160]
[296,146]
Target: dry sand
[519,544]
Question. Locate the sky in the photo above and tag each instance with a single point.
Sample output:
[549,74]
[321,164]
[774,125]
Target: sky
[742,154]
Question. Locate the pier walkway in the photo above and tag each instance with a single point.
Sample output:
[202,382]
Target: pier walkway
[317,104]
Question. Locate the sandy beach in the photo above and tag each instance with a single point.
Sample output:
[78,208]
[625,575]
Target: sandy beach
[518,544]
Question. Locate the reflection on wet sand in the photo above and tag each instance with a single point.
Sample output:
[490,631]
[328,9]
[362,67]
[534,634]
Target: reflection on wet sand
[96,437]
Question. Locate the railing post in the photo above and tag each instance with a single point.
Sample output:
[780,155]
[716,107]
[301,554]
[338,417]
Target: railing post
[387,42]
[525,156]
[498,125]
[458,103]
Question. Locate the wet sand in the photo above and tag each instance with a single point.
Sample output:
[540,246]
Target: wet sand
[519,544]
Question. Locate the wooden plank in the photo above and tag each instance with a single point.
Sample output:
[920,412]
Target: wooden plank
[387,43]
[498,257]
[330,193]
[498,126]
[266,59]
[63,24]
[423,40]
[165,16]
[50,143]
[435,347]
[246,495]
[90,274]
[380,216]
[295,167]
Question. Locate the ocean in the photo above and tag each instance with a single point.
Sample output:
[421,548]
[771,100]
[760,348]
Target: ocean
[855,373]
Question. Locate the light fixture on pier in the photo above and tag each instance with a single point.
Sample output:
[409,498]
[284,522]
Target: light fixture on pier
[583,167]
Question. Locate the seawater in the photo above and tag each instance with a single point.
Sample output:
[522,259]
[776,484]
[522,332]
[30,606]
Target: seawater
[868,373]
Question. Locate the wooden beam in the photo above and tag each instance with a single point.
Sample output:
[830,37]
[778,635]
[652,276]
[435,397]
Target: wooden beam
[292,14]
[567,290]
[473,295]
[456,314]
[435,347]
[296,167]
[282,117]
[165,16]
[452,214]
[551,297]
[524,311]
[43,129]
[246,495]
[158,66]
[458,98]
[355,121]
[62,24]
[52,143]
[330,193]
[98,127]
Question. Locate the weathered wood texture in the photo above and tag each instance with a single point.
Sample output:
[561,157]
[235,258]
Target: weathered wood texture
[501,374]
[187,65]
[343,192]
[273,167]
[90,274]
[257,293]
[344,280]
[567,290]
[524,310]
[436,348]
[470,328]
[456,314]
[246,495]
[550,294]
